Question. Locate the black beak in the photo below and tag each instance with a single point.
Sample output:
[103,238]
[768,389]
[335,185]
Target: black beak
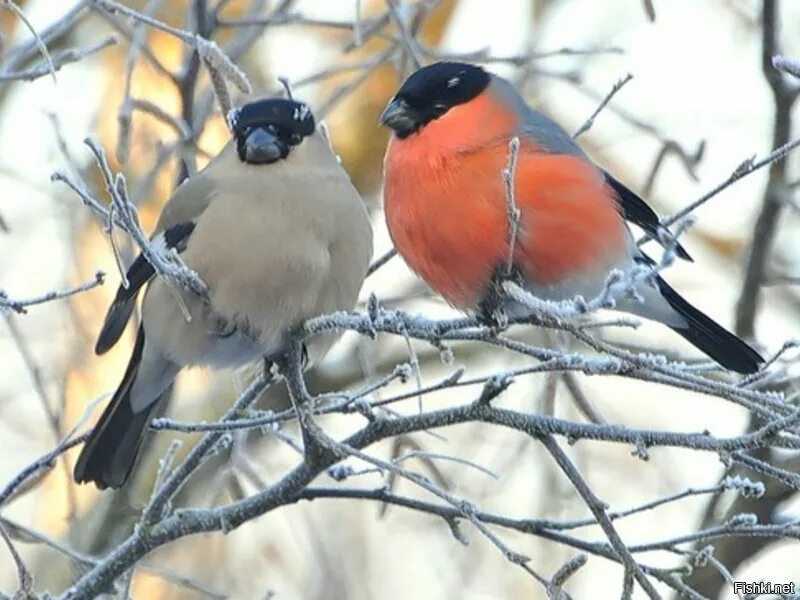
[399,116]
[262,147]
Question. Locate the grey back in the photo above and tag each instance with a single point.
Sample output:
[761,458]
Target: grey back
[547,133]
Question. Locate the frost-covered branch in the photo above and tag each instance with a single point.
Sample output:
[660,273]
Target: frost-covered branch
[53,65]
[21,305]
[164,524]
[122,213]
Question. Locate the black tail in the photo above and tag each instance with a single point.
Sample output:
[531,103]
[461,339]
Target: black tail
[116,320]
[710,337]
[108,456]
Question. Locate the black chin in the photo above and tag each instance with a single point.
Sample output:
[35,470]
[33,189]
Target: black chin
[403,123]
[406,129]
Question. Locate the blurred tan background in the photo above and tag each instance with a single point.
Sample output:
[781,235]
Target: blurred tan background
[697,77]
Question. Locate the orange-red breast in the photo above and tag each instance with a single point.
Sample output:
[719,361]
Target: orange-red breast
[446,206]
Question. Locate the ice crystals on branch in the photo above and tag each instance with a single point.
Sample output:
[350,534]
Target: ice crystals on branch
[743,520]
[788,65]
[746,487]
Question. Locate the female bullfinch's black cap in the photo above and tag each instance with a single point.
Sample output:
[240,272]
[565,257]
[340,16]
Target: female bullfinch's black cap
[283,114]
[266,130]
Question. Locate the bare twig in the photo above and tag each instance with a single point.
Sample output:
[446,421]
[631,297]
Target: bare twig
[181,128]
[689,161]
[381,260]
[513,213]
[408,39]
[519,60]
[567,570]
[123,214]
[125,112]
[21,306]
[16,56]
[42,465]
[24,577]
[650,10]
[598,509]
[582,401]
[763,234]
[590,121]
[10,5]
[59,60]
[215,60]
[747,167]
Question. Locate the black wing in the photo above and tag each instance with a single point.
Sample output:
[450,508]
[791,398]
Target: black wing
[637,211]
[139,273]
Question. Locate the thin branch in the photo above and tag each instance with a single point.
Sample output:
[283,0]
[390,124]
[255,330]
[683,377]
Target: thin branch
[582,401]
[598,509]
[43,464]
[773,204]
[650,10]
[21,306]
[182,129]
[219,65]
[24,577]
[159,502]
[23,52]
[590,121]
[408,39]
[128,33]
[10,5]
[125,111]
[123,214]
[66,57]
[747,167]
[519,60]
[513,213]
[381,260]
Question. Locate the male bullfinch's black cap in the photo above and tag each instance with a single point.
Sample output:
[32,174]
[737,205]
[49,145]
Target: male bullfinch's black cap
[266,130]
[432,91]
[445,83]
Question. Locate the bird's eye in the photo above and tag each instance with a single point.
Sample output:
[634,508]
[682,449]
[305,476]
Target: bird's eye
[439,109]
[295,139]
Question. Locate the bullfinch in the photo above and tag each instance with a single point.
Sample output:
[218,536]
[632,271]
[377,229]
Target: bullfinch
[276,231]
[446,208]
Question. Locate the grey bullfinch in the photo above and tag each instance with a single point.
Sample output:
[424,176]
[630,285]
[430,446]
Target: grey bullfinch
[275,229]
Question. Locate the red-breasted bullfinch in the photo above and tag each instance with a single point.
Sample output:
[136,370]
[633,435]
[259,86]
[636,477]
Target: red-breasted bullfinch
[276,231]
[446,207]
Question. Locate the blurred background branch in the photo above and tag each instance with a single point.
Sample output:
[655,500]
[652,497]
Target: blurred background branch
[784,89]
